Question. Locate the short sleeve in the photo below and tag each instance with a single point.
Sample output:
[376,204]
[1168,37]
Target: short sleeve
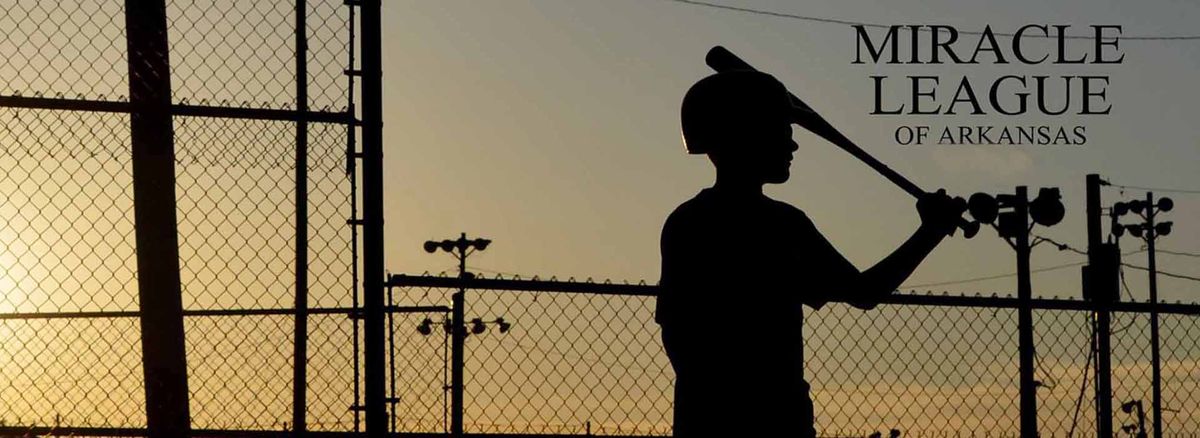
[678,264]
[826,270]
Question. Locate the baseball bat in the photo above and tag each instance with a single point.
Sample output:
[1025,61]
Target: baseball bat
[721,59]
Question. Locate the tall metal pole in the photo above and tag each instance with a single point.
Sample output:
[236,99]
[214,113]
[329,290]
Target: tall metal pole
[391,353]
[1025,317]
[300,353]
[372,177]
[164,363]
[457,340]
[351,156]
[1101,322]
[1155,365]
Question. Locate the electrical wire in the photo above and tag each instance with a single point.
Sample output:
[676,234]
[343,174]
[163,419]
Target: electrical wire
[1083,386]
[1061,246]
[992,277]
[1178,253]
[1157,189]
[884,26]
[1124,285]
[1065,247]
[1051,381]
[1128,293]
[1163,273]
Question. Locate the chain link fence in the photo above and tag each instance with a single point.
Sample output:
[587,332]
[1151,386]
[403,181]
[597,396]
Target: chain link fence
[578,358]
[584,358]
[570,363]
[70,341]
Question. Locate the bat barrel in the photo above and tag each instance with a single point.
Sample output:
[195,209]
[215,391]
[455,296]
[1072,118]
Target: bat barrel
[721,59]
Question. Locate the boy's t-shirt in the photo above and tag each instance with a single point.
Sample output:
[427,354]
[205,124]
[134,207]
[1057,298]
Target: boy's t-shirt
[736,271]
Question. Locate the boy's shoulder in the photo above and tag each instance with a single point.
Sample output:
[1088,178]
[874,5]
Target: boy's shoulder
[708,206]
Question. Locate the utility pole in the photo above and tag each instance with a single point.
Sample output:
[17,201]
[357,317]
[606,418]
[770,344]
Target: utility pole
[1149,231]
[460,248]
[1097,277]
[1155,366]
[1025,315]
[1014,227]
[458,337]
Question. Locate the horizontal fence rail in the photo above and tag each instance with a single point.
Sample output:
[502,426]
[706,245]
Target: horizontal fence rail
[915,298]
[225,111]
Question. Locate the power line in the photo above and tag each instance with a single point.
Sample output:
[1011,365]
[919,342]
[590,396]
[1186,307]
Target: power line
[1065,247]
[776,14]
[884,26]
[1012,274]
[1158,189]
[1082,387]
[1168,274]
[1178,253]
[1061,246]
[1128,293]
[992,277]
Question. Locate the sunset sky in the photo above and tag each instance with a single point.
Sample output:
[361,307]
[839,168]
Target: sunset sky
[552,128]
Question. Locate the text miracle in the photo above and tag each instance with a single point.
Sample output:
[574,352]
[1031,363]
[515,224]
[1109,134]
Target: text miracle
[1007,95]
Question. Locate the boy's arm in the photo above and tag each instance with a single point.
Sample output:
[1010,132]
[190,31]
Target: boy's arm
[873,285]
[939,216]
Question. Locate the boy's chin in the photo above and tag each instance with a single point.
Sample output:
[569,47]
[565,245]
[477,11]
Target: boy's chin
[778,178]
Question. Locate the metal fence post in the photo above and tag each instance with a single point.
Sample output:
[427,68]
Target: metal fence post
[300,355]
[1025,318]
[1101,320]
[458,334]
[150,130]
[375,375]
[1155,354]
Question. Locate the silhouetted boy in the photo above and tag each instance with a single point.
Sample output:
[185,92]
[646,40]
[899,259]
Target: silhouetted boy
[737,266]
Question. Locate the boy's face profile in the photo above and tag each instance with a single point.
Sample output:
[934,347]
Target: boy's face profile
[743,121]
[760,151]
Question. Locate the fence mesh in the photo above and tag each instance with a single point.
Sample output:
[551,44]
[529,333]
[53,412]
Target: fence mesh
[568,360]
[571,363]
[913,368]
[63,49]
[67,230]
[1181,372]
[577,362]
[71,372]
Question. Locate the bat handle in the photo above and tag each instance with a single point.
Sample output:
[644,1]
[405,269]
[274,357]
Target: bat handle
[969,228]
